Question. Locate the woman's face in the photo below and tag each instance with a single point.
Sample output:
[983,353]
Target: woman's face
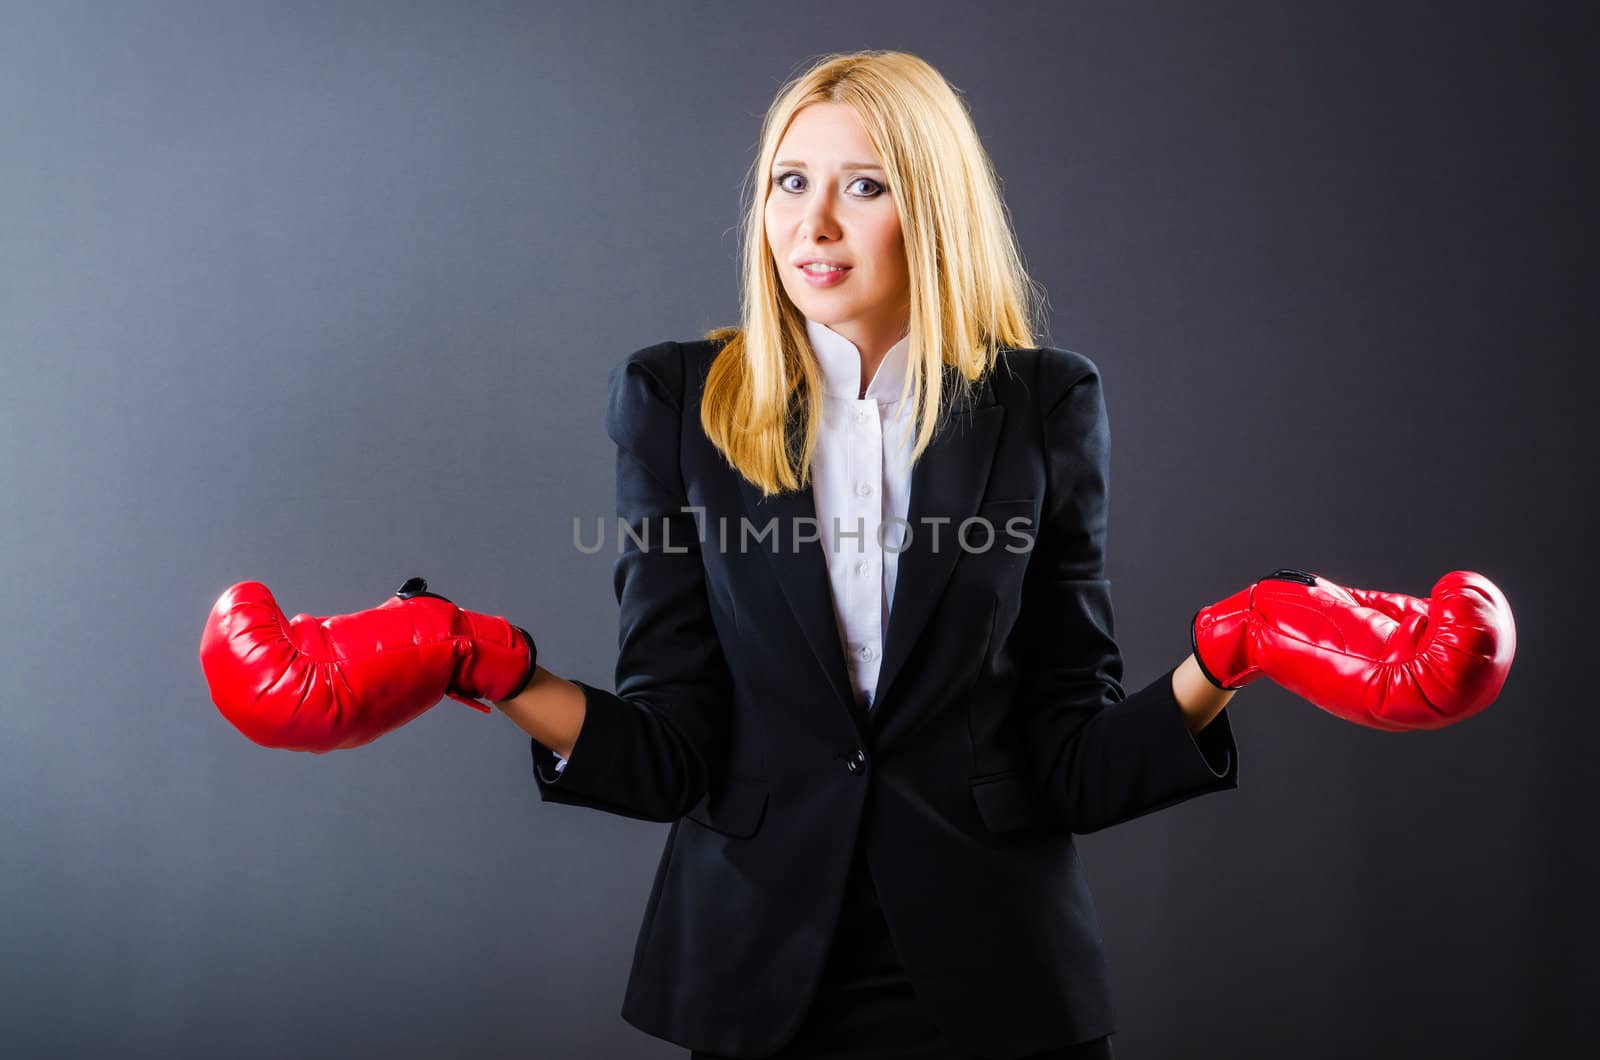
[828,202]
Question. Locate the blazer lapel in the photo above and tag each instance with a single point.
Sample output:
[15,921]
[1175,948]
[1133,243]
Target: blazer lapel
[802,573]
[948,481]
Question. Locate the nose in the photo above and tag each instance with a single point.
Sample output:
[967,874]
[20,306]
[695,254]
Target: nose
[817,222]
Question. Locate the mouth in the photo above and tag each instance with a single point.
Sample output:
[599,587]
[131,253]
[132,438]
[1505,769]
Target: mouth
[823,274]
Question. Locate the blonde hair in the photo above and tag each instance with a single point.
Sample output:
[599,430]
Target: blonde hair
[970,294]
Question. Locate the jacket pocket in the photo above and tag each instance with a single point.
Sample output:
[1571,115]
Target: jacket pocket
[1013,524]
[1001,512]
[1003,802]
[735,809]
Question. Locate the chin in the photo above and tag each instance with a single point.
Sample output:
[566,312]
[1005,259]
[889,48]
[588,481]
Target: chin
[825,312]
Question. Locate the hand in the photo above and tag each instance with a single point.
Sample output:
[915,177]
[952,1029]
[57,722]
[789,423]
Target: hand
[321,684]
[1384,660]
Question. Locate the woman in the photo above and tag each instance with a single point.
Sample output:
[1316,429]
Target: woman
[866,663]
[872,848]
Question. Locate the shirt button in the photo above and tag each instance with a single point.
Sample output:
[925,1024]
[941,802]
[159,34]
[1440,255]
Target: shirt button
[865,654]
[861,415]
[863,568]
[863,489]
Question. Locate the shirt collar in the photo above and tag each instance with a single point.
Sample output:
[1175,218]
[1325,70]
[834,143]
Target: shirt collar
[841,366]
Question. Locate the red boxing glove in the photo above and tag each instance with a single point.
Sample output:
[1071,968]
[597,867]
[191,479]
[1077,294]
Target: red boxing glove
[321,684]
[1383,660]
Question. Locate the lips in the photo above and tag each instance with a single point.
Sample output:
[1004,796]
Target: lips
[825,277]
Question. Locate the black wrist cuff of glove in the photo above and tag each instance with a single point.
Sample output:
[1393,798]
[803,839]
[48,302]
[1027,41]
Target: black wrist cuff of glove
[533,661]
[1194,646]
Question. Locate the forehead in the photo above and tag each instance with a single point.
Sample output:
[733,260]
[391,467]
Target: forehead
[826,133]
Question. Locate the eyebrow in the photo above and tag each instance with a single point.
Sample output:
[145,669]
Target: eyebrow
[847,165]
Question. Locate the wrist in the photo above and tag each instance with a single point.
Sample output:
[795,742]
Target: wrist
[1197,696]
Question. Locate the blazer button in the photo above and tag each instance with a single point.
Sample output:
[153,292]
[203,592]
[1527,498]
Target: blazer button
[857,761]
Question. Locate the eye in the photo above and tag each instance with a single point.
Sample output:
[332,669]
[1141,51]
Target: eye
[781,181]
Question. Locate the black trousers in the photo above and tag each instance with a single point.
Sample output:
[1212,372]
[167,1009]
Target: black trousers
[865,1008]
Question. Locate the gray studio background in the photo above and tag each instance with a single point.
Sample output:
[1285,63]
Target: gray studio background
[325,295]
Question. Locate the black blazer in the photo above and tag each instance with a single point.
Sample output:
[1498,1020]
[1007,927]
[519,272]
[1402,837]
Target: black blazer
[1000,726]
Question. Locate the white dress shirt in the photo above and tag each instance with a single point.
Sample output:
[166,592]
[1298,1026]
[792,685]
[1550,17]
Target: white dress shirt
[860,479]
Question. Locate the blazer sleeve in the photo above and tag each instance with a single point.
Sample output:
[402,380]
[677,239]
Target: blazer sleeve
[1100,755]
[648,749]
